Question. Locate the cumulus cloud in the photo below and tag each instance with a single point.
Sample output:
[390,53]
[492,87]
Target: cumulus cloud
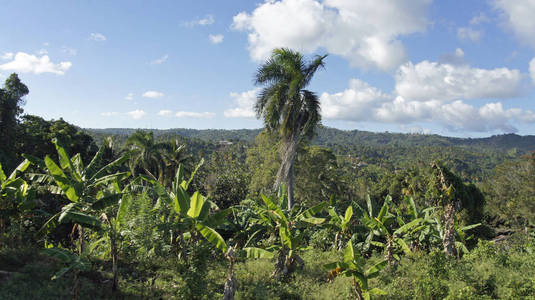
[160,60]
[532,69]
[29,63]
[356,103]
[153,94]
[207,20]
[467,33]
[7,56]
[431,80]
[518,16]
[216,39]
[136,114]
[433,92]
[99,37]
[244,105]
[197,115]
[130,96]
[165,112]
[367,33]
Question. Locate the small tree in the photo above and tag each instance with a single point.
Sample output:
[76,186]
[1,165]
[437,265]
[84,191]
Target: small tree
[83,187]
[448,190]
[11,101]
[353,266]
[381,226]
[15,195]
[342,225]
[287,225]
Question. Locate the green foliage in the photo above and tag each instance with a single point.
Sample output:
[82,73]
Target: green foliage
[11,101]
[287,225]
[512,193]
[190,212]
[353,266]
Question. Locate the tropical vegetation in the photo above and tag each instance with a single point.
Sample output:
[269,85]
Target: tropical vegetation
[136,214]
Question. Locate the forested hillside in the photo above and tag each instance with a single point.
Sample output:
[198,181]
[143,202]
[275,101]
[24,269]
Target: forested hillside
[331,136]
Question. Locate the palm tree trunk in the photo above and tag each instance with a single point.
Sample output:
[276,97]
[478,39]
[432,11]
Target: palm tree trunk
[285,173]
[291,187]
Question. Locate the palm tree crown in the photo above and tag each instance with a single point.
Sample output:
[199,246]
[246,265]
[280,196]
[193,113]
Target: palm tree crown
[147,154]
[284,103]
[287,107]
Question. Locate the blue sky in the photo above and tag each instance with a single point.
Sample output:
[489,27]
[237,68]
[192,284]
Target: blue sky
[457,68]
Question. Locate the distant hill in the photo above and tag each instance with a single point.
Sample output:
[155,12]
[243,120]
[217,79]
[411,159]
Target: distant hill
[332,136]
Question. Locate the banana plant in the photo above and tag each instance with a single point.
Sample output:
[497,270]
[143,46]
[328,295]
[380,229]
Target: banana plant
[190,213]
[461,235]
[83,187]
[15,194]
[68,260]
[287,225]
[341,223]
[418,226]
[113,224]
[353,266]
[380,226]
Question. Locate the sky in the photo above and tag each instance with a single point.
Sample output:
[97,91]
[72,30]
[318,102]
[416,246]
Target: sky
[454,68]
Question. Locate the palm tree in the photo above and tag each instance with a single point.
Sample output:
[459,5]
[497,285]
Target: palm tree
[286,106]
[146,154]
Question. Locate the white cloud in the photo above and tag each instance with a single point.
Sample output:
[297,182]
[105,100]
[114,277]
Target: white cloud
[518,16]
[244,105]
[136,114]
[130,96]
[216,39]
[430,80]
[160,60]
[28,63]
[7,56]
[480,19]
[432,92]
[69,51]
[42,52]
[532,69]
[207,20]
[153,94]
[364,32]
[357,103]
[109,114]
[165,112]
[455,116]
[467,33]
[99,37]
[197,115]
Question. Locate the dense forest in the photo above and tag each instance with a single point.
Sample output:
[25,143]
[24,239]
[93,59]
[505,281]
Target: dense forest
[291,211]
